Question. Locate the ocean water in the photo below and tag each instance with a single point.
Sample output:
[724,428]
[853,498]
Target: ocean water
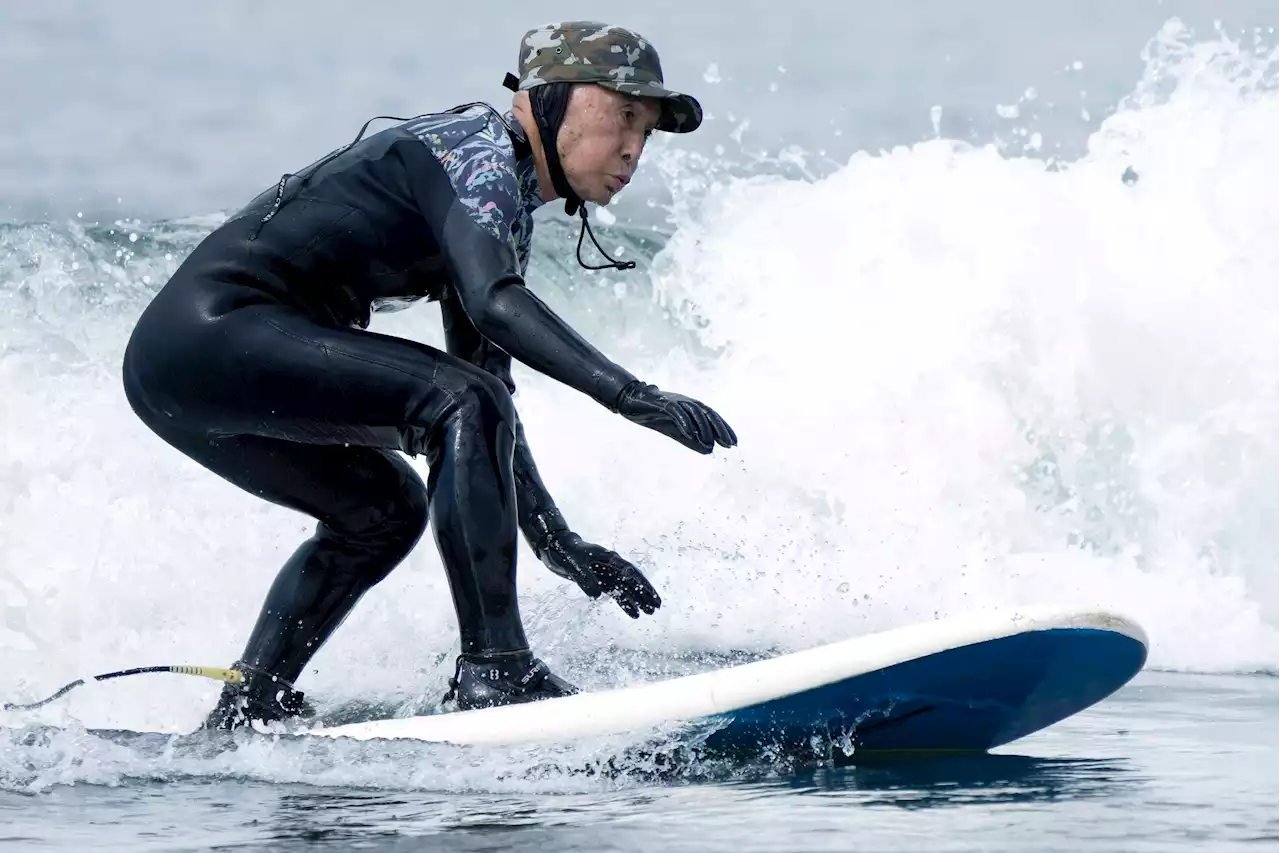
[988,291]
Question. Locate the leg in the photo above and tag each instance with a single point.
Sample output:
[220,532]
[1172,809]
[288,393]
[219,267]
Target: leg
[279,405]
[371,509]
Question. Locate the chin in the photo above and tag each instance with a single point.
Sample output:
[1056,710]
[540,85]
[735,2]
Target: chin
[599,194]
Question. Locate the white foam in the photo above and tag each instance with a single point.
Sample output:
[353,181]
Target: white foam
[950,370]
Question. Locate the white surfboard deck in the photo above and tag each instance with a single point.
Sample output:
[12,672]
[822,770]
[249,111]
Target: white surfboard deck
[693,697]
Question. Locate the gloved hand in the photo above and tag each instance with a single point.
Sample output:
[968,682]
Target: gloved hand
[597,570]
[693,424]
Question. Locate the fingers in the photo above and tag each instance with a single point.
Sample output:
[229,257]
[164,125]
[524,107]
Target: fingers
[628,606]
[639,594]
[702,427]
[725,435]
[626,585]
[646,596]
[711,427]
[683,422]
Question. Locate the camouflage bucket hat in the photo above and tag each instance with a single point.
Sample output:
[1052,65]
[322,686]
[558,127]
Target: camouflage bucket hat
[613,57]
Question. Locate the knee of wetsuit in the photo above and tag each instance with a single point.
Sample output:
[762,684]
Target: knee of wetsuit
[494,404]
[482,406]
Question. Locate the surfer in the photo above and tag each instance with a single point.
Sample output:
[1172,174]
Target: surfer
[255,360]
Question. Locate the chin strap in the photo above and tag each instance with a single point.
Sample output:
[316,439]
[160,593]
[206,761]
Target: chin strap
[586,230]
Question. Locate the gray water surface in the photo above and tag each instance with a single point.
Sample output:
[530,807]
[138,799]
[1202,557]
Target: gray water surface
[1171,762]
[152,109]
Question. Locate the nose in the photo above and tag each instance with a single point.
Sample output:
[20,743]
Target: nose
[631,149]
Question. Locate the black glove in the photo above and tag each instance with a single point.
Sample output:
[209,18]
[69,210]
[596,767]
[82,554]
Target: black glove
[693,424]
[593,568]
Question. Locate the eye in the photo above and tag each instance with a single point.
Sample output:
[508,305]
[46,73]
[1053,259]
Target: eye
[631,117]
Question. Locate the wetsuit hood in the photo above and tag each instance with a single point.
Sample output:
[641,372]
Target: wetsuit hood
[549,103]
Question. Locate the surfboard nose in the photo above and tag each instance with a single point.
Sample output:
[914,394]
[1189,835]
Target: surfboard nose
[971,698]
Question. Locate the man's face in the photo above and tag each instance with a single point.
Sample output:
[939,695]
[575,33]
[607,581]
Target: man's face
[602,138]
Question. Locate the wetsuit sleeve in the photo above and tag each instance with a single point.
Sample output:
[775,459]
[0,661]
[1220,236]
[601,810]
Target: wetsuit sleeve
[534,504]
[471,209]
[493,294]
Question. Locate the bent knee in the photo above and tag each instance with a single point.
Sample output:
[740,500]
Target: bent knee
[478,404]
[486,398]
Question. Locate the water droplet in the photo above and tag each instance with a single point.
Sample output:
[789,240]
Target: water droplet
[844,587]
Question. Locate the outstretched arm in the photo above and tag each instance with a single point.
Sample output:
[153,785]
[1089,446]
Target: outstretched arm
[470,205]
[472,202]
[493,294]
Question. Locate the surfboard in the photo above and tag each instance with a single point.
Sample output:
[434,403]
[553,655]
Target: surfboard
[963,684]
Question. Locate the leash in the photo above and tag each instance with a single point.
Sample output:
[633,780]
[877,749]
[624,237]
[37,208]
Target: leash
[230,676]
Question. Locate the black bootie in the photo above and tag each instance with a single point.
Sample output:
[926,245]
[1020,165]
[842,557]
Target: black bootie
[261,697]
[484,681]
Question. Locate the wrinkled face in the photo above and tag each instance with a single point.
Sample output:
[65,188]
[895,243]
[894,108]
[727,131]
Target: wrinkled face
[601,139]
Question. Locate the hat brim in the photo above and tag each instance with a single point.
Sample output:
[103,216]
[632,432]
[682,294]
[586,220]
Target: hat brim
[681,113]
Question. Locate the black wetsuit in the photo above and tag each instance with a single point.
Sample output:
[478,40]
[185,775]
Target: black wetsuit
[254,360]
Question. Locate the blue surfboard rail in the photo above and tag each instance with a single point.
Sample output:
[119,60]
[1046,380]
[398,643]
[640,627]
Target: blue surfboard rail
[971,698]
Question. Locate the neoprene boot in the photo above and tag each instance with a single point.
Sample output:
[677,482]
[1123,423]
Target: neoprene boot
[484,681]
[259,698]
